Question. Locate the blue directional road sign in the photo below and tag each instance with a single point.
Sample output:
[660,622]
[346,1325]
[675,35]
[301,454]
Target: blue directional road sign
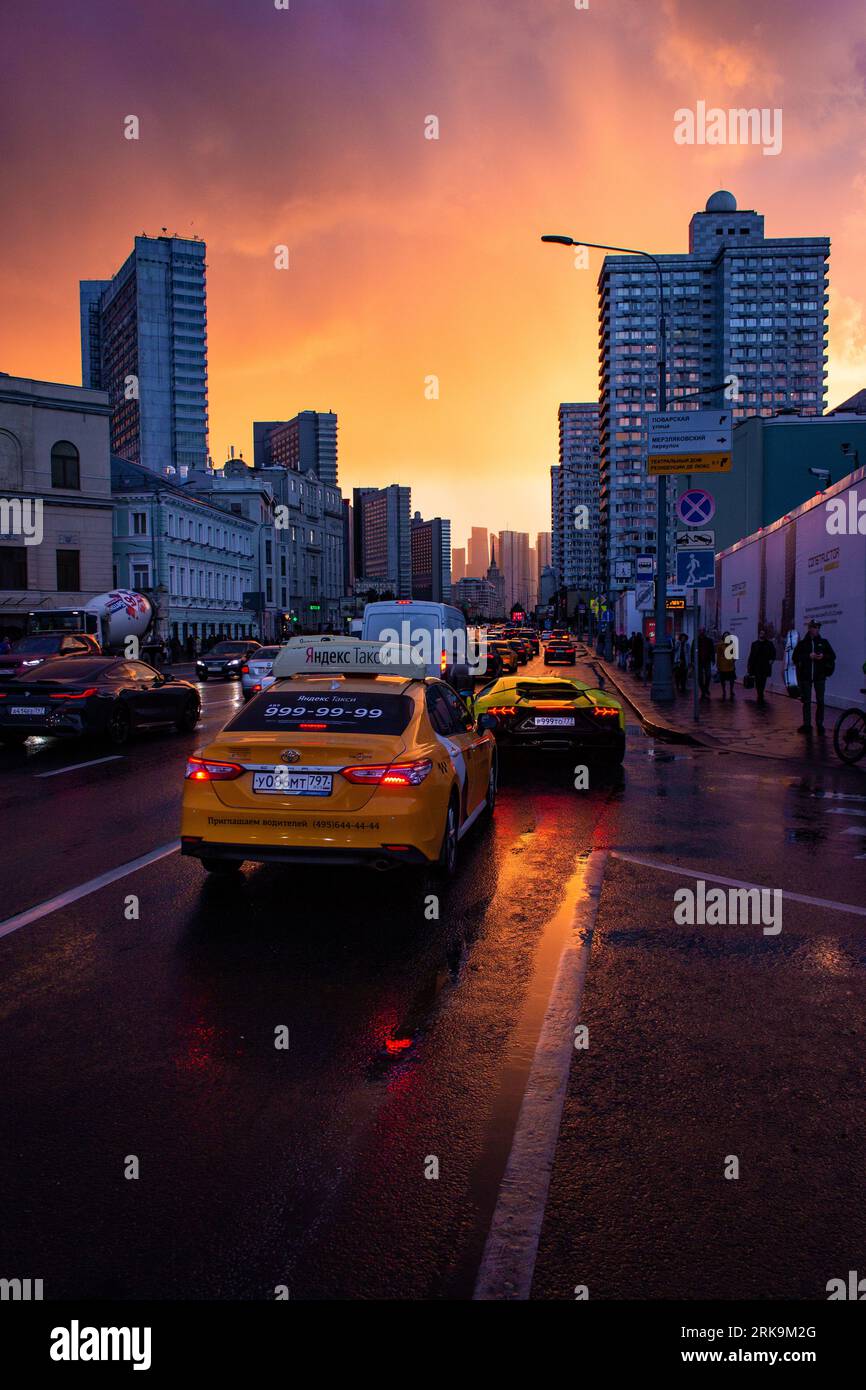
[696,569]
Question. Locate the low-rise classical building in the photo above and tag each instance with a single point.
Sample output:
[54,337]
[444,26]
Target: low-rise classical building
[196,561]
[55,497]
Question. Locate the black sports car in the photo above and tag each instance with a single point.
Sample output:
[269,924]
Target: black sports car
[82,696]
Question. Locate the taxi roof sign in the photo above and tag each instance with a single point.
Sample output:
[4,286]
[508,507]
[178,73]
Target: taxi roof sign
[345,656]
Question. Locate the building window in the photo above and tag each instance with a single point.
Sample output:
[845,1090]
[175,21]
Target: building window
[65,465]
[68,571]
[139,523]
[13,566]
[140,576]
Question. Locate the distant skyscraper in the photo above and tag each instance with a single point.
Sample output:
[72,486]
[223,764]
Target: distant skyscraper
[431,559]
[574,485]
[383,546]
[144,341]
[496,580]
[742,309]
[478,552]
[458,566]
[514,562]
[543,551]
[306,442]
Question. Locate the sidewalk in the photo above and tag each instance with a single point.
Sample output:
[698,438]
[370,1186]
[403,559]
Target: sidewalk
[738,725]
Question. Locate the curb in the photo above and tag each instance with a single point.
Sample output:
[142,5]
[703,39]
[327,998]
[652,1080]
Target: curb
[652,726]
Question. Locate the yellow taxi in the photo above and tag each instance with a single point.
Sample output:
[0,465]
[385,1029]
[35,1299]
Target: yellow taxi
[353,756]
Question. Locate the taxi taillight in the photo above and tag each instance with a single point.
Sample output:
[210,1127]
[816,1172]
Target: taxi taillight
[206,770]
[389,774]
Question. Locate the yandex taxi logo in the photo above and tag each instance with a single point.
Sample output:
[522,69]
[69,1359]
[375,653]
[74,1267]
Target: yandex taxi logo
[349,657]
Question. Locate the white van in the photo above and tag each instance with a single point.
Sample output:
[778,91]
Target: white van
[435,632]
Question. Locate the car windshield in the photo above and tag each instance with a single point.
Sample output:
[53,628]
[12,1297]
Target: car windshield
[228,649]
[325,711]
[264,654]
[37,644]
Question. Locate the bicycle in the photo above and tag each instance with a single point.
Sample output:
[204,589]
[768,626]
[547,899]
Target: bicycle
[849,734]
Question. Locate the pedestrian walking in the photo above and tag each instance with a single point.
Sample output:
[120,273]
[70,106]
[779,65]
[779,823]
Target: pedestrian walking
[814,660]
[637,651]
[706,653]
[5,645]
[762,654]
[726,664]
[681,662]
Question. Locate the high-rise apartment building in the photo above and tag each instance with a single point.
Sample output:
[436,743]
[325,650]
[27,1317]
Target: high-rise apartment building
[543,542]
[431,558]
[458,566]
[514,563]
[144,341]
[383,545]
[574,498]
[306,443]
[746,329]
[478,552]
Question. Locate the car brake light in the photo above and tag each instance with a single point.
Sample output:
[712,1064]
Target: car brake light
[604,711]
[502,709]
[389,774]
[312,726]
[203,770]
[443,661]
[245,670]
[82,695]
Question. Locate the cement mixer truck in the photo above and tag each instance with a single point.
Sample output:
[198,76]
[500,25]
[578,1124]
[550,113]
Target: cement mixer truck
[111,618]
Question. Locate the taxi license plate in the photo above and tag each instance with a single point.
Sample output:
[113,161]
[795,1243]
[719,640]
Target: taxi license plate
[30,711]
[550,721]
[281,783]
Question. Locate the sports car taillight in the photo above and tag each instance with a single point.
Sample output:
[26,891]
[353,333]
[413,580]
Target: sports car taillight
[605,712]
[203,770]
[389,774]
[502,709]
[79,694]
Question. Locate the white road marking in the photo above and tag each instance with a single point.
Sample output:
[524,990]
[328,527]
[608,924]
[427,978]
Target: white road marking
[33,914]
[510,1252]
[845,811]
[73,767]
[737,882]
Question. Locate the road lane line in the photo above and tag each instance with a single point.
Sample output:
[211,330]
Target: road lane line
[738,882]
[511,1248]
[58,772]
[33,914]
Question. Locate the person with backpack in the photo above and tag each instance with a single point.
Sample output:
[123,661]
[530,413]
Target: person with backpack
[815,662]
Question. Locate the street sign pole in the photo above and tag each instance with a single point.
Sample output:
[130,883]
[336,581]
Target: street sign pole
[695,697]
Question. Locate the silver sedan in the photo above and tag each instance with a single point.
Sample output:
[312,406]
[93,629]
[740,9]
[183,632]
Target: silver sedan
[256,672]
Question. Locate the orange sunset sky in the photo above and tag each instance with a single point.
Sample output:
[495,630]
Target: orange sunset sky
[408,256]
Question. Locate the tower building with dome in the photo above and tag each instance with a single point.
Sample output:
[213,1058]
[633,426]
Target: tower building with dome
[746,329]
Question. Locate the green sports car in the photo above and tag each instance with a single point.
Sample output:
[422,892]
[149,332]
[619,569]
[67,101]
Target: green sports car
[553,714]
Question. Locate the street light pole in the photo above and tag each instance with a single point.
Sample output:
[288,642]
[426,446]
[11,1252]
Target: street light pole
[663,673]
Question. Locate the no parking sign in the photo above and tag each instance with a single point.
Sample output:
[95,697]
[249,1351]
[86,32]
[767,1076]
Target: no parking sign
[696,506]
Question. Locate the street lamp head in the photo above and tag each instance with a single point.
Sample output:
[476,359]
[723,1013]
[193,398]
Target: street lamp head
[560,240]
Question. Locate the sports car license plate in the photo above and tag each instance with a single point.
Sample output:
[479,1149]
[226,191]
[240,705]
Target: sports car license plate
[280,783]
[28,711]
[551,721]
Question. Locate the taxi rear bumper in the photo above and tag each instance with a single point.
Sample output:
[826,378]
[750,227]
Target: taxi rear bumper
[377,857]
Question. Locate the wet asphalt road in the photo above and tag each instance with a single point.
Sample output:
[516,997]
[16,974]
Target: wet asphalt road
[411,1040]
